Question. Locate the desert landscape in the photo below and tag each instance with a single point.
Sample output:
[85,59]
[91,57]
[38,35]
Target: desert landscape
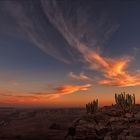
[41,124]
[105,123]
[69,69]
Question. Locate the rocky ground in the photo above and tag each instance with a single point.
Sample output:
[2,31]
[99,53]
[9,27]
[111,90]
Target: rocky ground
[109,123]
[36,124]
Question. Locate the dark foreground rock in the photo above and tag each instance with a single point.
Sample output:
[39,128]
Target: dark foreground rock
[107,124]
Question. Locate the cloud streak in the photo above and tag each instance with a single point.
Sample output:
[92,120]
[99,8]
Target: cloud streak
[113,70]
[85,29]
[63,90]
[8,97]
[80,77]
[35,28]
[12,98]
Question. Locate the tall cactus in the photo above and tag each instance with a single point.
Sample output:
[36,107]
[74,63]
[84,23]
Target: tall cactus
[92,107]
[125,101]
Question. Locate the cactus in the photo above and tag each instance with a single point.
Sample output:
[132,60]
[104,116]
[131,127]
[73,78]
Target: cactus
[125,101]
[92,107]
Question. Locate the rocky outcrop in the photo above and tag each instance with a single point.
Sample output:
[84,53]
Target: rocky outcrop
[107,124]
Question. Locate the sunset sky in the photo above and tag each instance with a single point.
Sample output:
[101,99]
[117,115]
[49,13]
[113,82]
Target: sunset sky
[66,53]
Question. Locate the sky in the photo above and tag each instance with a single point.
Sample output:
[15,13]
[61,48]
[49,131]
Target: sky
[67,53]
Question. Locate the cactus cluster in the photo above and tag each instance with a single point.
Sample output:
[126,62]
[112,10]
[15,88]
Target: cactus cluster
[92,107]
[125,101]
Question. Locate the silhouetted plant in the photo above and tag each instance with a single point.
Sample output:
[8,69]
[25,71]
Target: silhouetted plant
[125,101]
[92,107]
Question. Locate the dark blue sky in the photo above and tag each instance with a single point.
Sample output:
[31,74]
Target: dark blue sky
[62,42]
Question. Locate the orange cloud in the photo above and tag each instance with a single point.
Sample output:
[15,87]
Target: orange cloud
[80,77]
[79,37]
[16,99]
[114,71]
[8,97]
[63,90]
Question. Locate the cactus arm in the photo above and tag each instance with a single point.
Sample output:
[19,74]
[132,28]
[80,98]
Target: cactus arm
[125,101]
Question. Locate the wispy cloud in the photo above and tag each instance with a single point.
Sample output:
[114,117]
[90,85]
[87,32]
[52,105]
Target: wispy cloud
[113,70]
[84,32]
[63,90]
[80,77]
[35,28]
[9,97]
[15,98]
